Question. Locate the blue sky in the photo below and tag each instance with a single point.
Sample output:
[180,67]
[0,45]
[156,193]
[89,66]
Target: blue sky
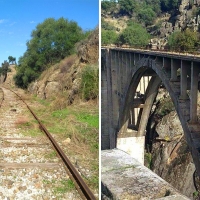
[19,17]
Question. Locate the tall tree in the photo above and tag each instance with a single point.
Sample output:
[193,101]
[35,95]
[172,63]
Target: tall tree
[4,69]
[11,59]
[146,15]
[50,42]
[128,6]
[134,35]
[184,41]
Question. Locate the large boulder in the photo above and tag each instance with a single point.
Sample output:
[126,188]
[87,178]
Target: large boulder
[169,127]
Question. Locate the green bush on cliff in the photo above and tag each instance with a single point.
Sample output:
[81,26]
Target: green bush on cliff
[146,16]
[90,83]
[184,41]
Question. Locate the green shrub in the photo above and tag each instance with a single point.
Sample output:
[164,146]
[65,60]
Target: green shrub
[108,37]
[183,41]
[146,16]
[134,35]
[89,83]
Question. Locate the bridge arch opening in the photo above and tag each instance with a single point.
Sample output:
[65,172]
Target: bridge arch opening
[142,91]
[180,100]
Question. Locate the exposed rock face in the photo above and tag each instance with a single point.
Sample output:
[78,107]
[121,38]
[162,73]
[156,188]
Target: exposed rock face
[166,29]
[197,2]
[158,43]
[173,162]
[56,80]
[171,157]
[184,18]
[88,50]
[65,77]
[47,86]
[169,127]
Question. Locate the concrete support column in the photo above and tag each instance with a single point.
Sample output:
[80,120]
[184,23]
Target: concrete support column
[109,96]
[184,94]
[174,69]
[134,146]
[115,102]
[193,93]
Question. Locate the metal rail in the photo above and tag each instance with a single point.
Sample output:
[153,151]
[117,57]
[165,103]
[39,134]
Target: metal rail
[80,182]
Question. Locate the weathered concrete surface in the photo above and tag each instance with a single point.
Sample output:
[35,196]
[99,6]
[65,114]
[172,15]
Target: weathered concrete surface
[134,146]
[125,178]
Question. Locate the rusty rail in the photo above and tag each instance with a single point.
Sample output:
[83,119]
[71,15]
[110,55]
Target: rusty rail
[80,182]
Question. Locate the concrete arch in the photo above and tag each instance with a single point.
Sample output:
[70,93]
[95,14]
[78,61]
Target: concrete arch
[160,75]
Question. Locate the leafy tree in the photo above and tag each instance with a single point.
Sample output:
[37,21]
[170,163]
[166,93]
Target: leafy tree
[4,69]
[108,37]
[168,5]
[183,41]
[134,35]
[53,40]
[127,6]
[155,5]
[108,6]
[50,42]
[146,15]
[11,59]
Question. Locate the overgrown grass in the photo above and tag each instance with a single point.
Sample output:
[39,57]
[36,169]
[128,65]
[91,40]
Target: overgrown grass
[91,120]
[29,127]
[148,158]
[60,187]
[64,186]
[80,124]
[52,154]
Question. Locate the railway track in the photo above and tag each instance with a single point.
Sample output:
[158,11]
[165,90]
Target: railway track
[29,167]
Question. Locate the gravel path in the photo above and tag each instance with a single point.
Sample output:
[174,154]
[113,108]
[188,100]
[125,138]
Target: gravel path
[29,167]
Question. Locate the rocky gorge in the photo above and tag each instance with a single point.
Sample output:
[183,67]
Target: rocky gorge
[167,152]
[186,16]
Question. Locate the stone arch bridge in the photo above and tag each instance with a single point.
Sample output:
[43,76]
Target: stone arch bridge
[130,82]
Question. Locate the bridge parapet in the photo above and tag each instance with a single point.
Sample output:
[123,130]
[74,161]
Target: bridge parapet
[125,178]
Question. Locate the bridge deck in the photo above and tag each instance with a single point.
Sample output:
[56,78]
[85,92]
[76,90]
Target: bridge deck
[167,54]
[125,178]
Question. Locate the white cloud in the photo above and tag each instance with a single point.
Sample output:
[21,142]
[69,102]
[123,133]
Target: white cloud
[12,23]
[32,22]
[2,21]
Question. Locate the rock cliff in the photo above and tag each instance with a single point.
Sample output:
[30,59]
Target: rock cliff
[187,16]
[170,155]
[64,77]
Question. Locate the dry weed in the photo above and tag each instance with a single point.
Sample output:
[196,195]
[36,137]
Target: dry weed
[66,64]
[59,104]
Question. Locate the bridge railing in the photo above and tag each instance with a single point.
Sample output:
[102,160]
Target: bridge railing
[178,51]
